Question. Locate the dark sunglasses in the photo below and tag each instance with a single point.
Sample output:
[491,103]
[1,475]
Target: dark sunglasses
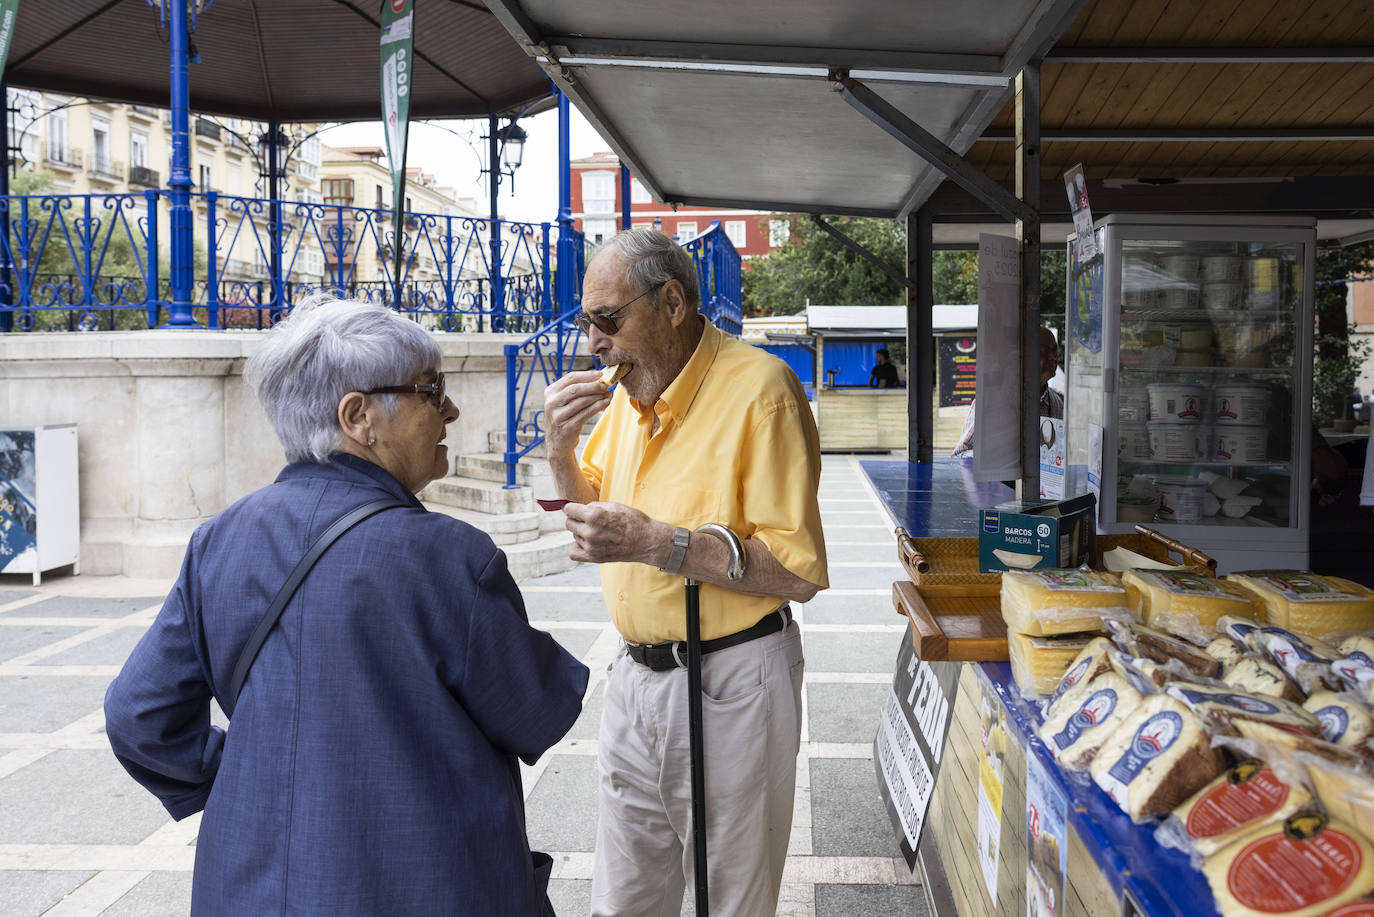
[605,321]
[435,390]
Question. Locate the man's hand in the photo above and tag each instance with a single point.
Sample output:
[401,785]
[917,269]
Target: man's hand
[613,532]
[568,404]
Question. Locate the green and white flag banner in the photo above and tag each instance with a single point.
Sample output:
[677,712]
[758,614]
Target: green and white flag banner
[397,51]
[9,12]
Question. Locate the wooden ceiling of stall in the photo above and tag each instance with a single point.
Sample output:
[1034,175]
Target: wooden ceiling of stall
[1270,101]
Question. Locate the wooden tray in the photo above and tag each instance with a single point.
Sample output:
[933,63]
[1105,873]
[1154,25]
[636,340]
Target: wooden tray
[955,623]
[954,561]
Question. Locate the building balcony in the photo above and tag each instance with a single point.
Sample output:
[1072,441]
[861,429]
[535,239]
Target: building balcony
[208,128]
[105,169]
[144,176]
[145,112]
[63,157]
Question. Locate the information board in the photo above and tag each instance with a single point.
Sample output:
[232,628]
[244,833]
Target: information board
[958,355]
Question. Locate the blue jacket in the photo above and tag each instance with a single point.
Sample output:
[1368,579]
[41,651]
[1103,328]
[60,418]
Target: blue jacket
[370,768]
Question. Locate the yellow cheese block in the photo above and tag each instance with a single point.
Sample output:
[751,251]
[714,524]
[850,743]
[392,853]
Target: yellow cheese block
[1184,602]
[1308,604]
[1304,866]
[1076,731]
[1244,798]
[1042,602]
[1343,722]
[1158,757]
[1039,663]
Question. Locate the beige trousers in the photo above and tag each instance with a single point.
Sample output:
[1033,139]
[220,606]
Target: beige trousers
[751,713]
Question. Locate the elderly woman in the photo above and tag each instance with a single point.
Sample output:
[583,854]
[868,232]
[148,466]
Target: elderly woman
[371,765]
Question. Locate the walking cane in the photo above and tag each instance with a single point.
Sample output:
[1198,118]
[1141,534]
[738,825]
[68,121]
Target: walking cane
[734,574]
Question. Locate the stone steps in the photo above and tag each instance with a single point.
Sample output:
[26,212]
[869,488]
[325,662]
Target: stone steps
[482,496]
[529,551]
[491,466]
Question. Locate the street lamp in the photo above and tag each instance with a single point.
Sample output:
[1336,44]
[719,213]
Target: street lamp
[512,138]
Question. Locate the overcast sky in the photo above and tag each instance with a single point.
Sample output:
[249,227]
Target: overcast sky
[457,162]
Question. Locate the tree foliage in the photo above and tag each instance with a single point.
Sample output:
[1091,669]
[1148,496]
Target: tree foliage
[1337,360]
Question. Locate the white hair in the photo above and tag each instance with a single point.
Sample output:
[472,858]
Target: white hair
[323,350]
[652,259]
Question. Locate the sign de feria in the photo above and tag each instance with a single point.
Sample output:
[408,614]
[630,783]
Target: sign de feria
[398,43]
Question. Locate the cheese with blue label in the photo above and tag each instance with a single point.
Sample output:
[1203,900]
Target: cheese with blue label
[1223,707]
[1074,732]
[1343,722]
[1260,676]
[1306,660]
[1158,757]
[1090,662]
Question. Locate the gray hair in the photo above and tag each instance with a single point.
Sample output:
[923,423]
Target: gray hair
[325,349]
[652,259]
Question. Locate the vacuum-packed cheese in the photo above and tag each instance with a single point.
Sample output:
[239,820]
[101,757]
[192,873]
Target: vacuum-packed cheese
[1039,663]
[1075,733]
[1343,722]
[1145,675]
[1343,779]
[1304,866]
[1246,797]
[1308,604]
[1043,602]
[1156,759]
[1090,662]
[1165,649]
[1305,660]
[1184,602]
[1240,630]
[1221,707]
[1224,650]
[1360,646]
[1260,676]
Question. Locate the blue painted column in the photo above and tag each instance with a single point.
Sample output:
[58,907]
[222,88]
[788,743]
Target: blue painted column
[179,183]
[498,287]
[624,197]
[6,318]
[567,257]
[274,228]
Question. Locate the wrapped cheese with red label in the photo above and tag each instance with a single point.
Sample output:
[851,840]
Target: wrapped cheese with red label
[1244,798]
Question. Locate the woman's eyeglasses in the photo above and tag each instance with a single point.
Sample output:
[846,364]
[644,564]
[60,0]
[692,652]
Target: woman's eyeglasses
[435,390]
[605,321]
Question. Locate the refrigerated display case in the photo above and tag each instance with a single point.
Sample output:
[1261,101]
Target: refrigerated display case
[1189,362]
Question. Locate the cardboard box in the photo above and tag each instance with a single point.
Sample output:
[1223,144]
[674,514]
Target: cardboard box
[1043,536]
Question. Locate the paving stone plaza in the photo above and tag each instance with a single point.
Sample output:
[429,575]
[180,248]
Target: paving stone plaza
[78,837]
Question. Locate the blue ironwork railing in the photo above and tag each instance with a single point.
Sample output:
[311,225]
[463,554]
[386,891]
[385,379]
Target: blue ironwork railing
[87,262]
[550,351]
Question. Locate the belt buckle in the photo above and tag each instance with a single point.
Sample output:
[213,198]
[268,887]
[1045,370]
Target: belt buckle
[677,654]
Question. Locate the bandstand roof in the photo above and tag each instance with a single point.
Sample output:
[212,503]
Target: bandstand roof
[283,60]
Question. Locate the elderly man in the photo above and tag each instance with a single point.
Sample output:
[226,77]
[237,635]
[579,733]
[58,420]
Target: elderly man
[702,428]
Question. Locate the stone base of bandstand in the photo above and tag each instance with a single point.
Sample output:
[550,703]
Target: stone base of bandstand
[169,434]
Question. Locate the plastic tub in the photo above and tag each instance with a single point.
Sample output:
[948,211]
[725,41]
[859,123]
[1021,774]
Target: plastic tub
[1179,295]
[1242,445]
[1180,499]
[1222,269]
[1133,405]
[1177,402]
[1174,442]
[1133,442]
[1223,297]
[1136,509]
[1181,266]
[1241,403]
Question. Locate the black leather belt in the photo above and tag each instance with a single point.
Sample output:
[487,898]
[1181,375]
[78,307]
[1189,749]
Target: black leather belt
[660,657]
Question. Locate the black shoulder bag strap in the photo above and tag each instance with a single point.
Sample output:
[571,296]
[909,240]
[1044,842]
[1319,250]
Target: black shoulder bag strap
[288,589]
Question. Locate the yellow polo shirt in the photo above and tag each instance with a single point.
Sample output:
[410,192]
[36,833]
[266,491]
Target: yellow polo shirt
[736,444]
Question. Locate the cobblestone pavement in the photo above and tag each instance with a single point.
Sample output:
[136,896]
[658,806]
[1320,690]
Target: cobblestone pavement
[78,838]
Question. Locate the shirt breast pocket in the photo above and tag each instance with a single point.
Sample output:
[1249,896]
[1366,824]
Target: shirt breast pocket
[684,506]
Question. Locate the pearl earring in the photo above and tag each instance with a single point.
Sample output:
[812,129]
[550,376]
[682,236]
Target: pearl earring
[371,439]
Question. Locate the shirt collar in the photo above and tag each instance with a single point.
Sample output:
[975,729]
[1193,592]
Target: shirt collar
[682,391]
[347,467]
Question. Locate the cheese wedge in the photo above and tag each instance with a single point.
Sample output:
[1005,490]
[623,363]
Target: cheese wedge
[1307,661]
[1145,675]
[1308,604]
[1343,722]
[1359,645]
[1343,779]
[1184,602]
[1090,662]
[1158,757]
[1260,676]
[1163,648]
[1224,650]
[1222,708]
[615,372]
[1244,798]
[1043,602]
[1303,867]
[1077,731]
[1039,663]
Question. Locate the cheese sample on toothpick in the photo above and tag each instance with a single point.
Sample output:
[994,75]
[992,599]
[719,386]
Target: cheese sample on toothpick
[1043,602]
[1308,604]
[1183,602]
[1244,798]
[1158,757]
[1304,866]
[1077,731]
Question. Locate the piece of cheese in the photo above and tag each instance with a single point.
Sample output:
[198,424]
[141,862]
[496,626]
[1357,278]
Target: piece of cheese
[1224,650]
[1304,866]
[1039,663]
[1158,757]
[1260,676]
[1042,602]
[1306,660]
[1246,797]
[1308,604]
[615,372]
[1361,908]
[1343,722]
[1145,675]
[1222,707]
[1165,649]
[1183,602]
[1075,733]
[1090,662]
[1358,645]
[1343,779]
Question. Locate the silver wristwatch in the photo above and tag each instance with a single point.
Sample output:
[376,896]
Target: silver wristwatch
[681,538]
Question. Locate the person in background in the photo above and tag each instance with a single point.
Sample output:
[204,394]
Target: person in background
[372,762]
[883,375]
[1051,402]
[703,429]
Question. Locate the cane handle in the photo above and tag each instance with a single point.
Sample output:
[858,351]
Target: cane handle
[735,572]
